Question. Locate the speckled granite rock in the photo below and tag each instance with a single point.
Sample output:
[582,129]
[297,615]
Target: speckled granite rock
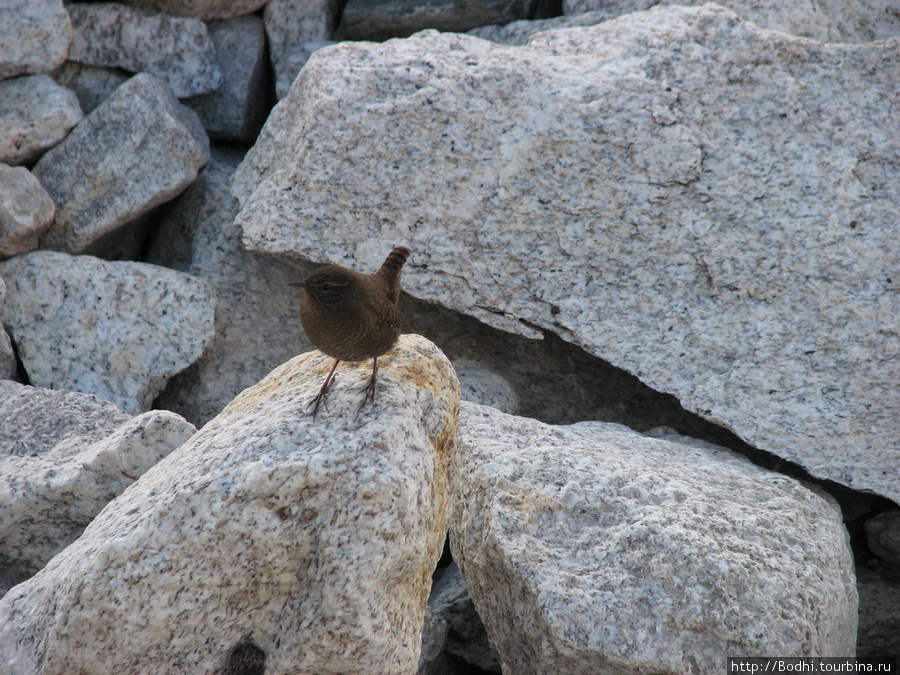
[202,9]
[118,330]
[138,150]
[649,188]
[64,459]
[591,548]
[310,541]
[879,611]
[8,365]
[883,537]
[178,51]
[34,36]
[26,210]
[91,84]
[237,109]
[823,20]
[257,314]
[453,614]
[35,114]
[383,19]
[519,32]
[294,27]
[481,385]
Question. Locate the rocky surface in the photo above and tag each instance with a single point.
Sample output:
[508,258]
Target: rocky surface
[118,330]
[257,314]
[138,150]
[91,84]
[295,28]
[383,19]
[8,363]
[67,456]
[34,36]
[178,51]
[883,536]
[236,110]
[592,547]
[879,620]
[616,196]
[201,9]
[35,114]
[26,210]
[695,215]
[455,624]
[311,541]
[823,20]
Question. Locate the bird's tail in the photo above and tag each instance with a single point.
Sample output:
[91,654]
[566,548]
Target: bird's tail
[390,270]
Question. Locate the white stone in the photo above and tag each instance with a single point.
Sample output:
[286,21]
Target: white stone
[481,385]
[257,314]
[823,20]
[34,36]
[26,210]
[295,28]
[201,9]
[35,114]
[237,109]
[66,457]
[312,540]
[591,548]
[177,50]
[650,189]
[118,330]
[138,150]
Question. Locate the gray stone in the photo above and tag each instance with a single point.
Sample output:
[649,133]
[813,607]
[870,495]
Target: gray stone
[237,109]
[383,19]
[64,459]
[178,51]
[201,9]
[591,548]
[295,28]
[649,189]
[34,36]
[312,540]
[35,114]
[519,32]
[91,84]
[464,635]
[138,150]
[879,611]
[8,364]
[883,536]
[257,314]
[26,210]
[481,385]
[823,20]
[118,330]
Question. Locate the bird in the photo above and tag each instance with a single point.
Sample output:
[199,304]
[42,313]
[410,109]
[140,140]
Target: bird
[351,316]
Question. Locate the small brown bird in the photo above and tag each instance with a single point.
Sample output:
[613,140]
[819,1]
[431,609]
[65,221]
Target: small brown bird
[352,316]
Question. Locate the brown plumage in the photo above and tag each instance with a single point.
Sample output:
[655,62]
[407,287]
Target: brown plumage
[352,316]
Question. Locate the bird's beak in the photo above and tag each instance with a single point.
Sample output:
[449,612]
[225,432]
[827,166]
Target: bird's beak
[296,283]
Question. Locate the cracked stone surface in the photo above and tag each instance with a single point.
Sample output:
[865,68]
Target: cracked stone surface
[650,189]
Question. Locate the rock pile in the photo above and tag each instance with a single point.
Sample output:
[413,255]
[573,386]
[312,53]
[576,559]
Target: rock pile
[673,216]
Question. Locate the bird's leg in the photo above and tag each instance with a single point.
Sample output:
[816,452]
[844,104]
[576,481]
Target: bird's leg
[328,380]
[370,386]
